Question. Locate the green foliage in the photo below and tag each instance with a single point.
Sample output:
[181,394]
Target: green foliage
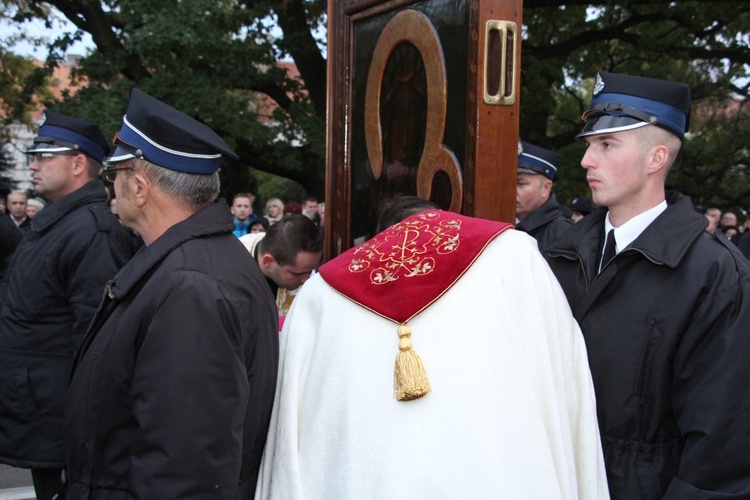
[217,60]
[20,82]
[705,44]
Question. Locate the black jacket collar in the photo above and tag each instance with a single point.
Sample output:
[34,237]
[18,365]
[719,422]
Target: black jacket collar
[91,192]
[211,220]
[665,241]
[548,212]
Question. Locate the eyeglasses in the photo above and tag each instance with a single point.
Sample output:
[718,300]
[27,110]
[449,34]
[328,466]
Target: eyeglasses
[40,158]
[110,173]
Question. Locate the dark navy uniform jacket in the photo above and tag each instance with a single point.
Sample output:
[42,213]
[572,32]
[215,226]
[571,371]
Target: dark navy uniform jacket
[667,328]
[173,386]
[54,283]
[546,224]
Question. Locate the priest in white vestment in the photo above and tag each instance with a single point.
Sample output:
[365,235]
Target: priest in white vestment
[507,407]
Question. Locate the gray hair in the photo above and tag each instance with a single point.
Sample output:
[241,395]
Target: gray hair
[196,190]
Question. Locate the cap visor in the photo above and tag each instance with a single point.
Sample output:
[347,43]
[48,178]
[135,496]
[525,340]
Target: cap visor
[607,124]
[47,148]
[121,153]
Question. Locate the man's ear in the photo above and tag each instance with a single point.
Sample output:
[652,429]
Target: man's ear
[659,158]
[80,165]
[141,188]
[267,261]
[546,187]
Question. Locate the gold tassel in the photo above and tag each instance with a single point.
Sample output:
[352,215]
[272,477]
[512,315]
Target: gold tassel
[409,376]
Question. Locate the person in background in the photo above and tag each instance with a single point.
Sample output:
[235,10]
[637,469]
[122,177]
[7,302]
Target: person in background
[10,237]
[322,215]
[537,210]
[292,207]
[474,414]
[16,202]
[260,225]
[33,207]
[274,210]
[55,280]
[580,207]
[664,305]
[287,253]
[713,215]
[743,243]
[728,219]
[172,388]
[244,216]
[310,208]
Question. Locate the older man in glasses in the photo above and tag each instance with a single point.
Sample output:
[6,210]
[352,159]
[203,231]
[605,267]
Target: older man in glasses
[54,282]
[173,387]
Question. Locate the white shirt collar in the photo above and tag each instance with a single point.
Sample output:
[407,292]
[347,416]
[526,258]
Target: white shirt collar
[628,232]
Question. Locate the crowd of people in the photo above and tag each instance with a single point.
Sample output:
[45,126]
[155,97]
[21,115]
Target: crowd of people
[596,350]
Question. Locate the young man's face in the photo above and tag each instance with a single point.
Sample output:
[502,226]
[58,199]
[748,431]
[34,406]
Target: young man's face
[616,170]
[242,208]
[532,190]
[293,276]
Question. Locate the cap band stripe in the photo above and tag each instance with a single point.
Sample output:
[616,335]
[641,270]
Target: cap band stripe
[669,117]
[84,143]
[535,161]
[168,158]
[128,126]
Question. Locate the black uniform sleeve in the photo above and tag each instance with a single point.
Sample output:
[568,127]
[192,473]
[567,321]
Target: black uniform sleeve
[711,398]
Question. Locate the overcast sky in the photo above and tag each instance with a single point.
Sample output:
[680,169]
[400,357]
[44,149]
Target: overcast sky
[36,28]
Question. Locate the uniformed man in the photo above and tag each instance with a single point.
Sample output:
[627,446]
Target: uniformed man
[537,210]
[54,283]
[580,207]
[664,305]
[173,386]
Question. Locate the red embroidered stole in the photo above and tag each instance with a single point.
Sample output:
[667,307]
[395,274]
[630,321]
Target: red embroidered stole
[401,271]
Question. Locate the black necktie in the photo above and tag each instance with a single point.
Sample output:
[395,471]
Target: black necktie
[609,249]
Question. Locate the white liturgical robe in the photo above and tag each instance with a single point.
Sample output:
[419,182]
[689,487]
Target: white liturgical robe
[511,413]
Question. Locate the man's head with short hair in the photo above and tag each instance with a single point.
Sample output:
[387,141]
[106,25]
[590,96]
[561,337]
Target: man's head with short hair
[165,166]
[713,215]
[242,206]
[16,202]
[310,206]
[66,155]
[728,219]
[633,132]
[193,190]
[290,251]
[398,209]
[536,170]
